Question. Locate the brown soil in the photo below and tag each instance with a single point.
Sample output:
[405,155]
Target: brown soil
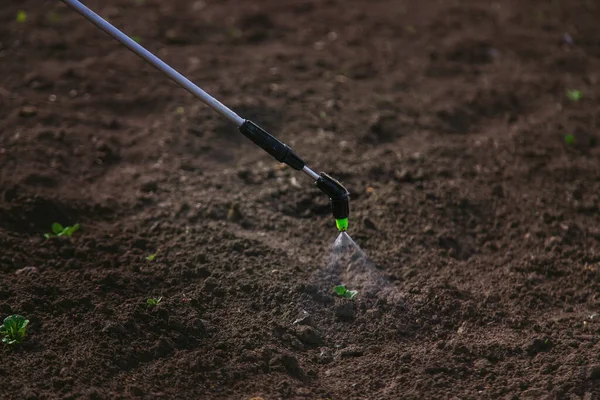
[446,121]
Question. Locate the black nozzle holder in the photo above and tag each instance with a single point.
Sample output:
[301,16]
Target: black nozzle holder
[269,143]
[339,197]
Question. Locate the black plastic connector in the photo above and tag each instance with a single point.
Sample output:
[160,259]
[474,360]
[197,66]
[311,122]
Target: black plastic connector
[269,143]
[339,197]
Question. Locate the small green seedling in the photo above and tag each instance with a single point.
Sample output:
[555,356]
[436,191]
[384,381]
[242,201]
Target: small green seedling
[574,95]
[569,139]
[343,292]
[53,16]
[234,33]
[59,230]
[21,17]
[137,39]
[14,329]
[151,257]
[153,302]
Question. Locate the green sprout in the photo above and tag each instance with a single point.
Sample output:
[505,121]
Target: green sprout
[574,95]
[153,302]
[341,290]
[234,33]
[53,16]
[59,230]
[21,17]
[137,39]
[569,139]
[14,329]
[151,257]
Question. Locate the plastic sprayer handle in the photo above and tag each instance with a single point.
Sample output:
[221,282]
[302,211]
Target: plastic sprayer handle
[269,143]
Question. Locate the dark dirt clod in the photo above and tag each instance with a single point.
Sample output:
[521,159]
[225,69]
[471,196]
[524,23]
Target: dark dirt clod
[210,284]
[370,224]
[288,362]
[594,371]
[351,352]
[149,185]
[345,311]
[309,335]
[383,128]
[446,120]
[537,345]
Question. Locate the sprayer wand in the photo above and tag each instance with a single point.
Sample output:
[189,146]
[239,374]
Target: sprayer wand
[339,198]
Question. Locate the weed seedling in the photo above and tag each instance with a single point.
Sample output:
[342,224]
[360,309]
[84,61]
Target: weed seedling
[14,329]
[151,257]
[59,230]
[153,302]
[343,292]
[21,17]
[234,33]
[574,95]
[569,139]
[53,16]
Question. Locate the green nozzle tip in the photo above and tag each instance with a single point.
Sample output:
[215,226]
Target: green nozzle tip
[342,224]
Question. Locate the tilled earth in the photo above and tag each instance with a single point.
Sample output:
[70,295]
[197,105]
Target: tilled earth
[475,185]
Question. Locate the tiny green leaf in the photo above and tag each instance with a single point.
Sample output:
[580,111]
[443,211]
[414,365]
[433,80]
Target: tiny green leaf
[21,17]
[14,329]
[340,290]
[569,139]
[57,228]
[137,39]
[53,16]
[152,302]
[151,257]
[234,33]
[574,95]
[70,230]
